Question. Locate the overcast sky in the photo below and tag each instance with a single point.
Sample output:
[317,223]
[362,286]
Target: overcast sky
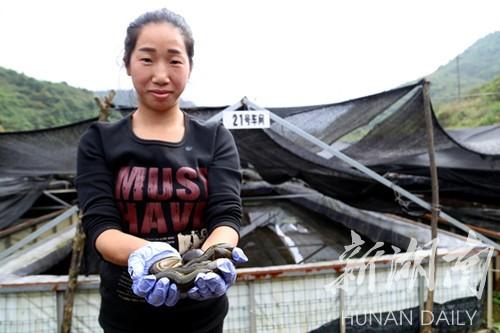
[277,53]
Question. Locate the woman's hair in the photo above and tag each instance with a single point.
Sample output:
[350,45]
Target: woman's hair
[158,16]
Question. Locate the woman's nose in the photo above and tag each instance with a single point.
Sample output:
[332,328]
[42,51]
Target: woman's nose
[160,74]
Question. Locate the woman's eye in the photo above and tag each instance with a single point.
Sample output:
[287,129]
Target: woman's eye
[176,62]
[146,60]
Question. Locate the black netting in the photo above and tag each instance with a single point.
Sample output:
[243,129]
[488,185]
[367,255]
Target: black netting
[385,132]
[28,160]
[17,195]
[483,140]
[331,122]
[41,152]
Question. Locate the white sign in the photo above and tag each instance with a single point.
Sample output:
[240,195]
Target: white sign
[246,119]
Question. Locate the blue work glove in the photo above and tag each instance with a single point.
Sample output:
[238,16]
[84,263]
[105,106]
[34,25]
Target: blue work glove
[145,284]
[211,285]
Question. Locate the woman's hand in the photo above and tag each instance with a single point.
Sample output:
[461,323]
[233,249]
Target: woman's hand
[144,284]
[211,285]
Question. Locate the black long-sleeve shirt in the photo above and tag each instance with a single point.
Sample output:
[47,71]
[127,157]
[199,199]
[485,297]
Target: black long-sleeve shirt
[156,190]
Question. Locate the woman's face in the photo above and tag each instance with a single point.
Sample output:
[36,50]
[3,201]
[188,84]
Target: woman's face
[159,66]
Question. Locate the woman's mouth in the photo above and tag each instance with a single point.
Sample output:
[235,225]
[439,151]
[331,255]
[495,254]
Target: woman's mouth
[160,94]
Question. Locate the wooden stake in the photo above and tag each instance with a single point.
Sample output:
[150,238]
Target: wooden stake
[427,315]
[74,270]
[79,240]
[104,106]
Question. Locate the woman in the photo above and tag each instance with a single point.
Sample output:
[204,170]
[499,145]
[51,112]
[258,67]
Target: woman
[155,184]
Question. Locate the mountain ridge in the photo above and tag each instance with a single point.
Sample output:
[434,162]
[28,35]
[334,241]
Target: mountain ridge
[27,103]
[476,65]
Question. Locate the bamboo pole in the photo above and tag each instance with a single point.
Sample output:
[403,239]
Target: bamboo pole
[74,270]
[427,315]
[484,231]
[29,223]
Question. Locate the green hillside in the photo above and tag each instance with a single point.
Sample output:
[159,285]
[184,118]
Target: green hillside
[477,65]
[482,108]
[26,103]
